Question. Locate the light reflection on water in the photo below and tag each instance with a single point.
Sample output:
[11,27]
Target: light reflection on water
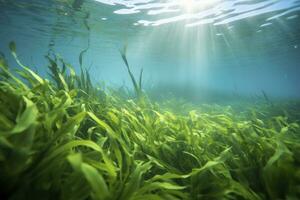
[198,12]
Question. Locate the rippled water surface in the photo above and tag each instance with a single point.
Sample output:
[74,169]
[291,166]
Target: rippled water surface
[198,12]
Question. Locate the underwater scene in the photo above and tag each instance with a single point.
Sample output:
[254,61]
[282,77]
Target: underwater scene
[150,99]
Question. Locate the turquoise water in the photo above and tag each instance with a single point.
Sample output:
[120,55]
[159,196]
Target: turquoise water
[196,50]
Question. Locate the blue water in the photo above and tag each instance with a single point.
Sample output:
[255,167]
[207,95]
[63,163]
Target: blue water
[192,49]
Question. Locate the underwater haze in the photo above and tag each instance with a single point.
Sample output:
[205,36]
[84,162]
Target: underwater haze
[150,99]
[192,49]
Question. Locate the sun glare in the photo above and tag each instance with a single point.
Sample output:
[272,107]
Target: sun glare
[192,5]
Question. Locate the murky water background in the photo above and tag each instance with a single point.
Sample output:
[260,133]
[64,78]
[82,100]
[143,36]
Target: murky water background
[192,49]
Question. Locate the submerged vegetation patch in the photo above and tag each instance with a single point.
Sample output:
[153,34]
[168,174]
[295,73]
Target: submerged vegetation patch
[64,138]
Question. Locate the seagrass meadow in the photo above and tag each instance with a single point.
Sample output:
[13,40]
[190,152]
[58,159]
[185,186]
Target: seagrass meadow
[149,100]
[66,138]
